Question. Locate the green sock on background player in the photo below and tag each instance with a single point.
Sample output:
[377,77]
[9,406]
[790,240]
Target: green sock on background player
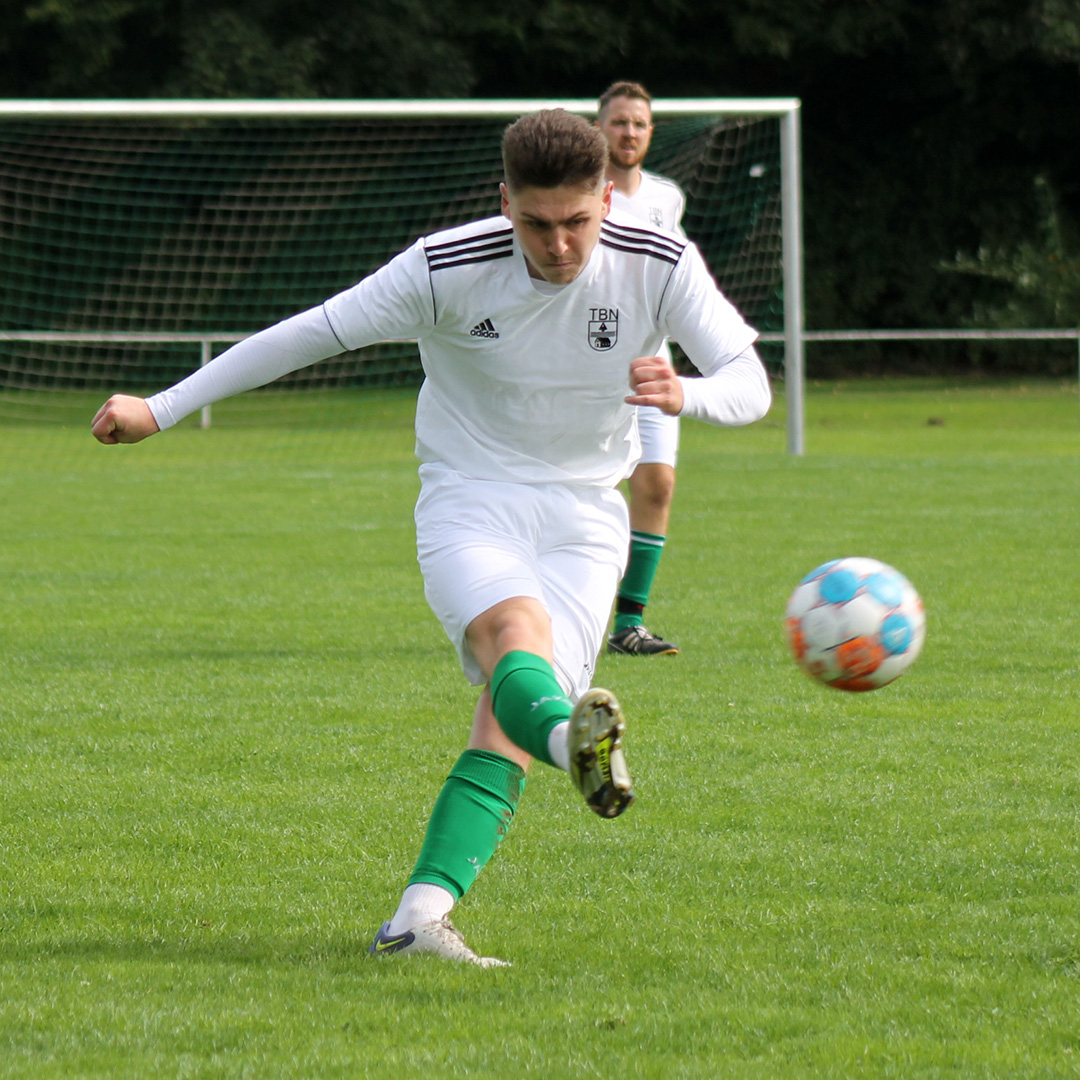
[645,551]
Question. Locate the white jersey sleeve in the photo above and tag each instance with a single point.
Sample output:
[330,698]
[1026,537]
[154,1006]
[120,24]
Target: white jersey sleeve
[661,203]
[734,388]
[295,343]
[737,393]
[391,304]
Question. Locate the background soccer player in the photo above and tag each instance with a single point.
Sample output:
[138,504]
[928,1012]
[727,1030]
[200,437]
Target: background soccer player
[625,118]
[524,433]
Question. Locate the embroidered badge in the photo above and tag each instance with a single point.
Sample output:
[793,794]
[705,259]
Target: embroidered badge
[603,327]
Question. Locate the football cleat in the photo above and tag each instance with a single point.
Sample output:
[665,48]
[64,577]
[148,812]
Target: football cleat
[639,641]
[439,936]
[597,764]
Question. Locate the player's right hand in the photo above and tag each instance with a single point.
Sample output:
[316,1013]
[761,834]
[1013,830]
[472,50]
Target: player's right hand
[123,419]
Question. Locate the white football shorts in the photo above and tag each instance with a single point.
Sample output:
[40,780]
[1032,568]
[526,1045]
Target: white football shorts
[480,542]
[659,436]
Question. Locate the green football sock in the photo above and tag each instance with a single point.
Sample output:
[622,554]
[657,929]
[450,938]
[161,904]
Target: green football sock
[471,816]
[645,551]
[528,702]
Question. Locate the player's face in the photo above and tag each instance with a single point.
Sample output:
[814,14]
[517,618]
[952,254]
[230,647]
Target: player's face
[627,125]
[557,227]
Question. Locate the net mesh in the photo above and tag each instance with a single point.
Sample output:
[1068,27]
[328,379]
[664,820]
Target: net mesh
[220,226]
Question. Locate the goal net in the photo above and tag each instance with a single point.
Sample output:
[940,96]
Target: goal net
[138,239]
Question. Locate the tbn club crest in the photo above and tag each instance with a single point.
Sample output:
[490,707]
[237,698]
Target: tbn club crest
[603,328]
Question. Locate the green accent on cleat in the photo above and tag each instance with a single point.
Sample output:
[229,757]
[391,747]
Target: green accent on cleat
[597,764]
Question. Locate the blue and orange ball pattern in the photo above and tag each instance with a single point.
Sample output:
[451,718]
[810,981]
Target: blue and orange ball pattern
[855,623]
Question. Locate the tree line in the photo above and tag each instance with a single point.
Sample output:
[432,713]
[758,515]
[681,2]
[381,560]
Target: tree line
[941,156]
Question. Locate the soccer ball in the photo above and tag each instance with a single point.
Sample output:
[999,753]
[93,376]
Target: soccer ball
[855,623]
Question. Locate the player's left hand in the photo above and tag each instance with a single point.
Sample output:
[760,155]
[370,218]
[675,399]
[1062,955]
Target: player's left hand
[653,382]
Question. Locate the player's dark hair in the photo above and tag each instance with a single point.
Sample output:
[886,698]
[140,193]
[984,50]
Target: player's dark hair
[625,89]
[553,148]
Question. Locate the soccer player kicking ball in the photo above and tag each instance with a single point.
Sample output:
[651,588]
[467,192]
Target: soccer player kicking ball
[625,118]
[538,333]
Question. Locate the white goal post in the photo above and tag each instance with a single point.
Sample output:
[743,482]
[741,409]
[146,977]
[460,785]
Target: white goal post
[83,321]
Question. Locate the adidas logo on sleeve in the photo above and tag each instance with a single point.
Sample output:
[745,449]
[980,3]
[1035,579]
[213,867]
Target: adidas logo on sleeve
[484,329]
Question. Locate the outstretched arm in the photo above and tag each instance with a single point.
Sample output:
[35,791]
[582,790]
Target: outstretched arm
[123,419]
[394,303]
[295,342]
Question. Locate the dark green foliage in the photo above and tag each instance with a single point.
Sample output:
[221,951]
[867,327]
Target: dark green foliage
[925,125]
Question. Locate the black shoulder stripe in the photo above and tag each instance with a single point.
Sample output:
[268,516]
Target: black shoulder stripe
[636,230]
[448,251]
[663,256]
[642,242]
[495,236]
[492,245]
[447,264]
[631,234]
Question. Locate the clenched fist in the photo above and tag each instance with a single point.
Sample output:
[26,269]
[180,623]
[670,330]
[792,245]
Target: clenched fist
[123,419]
[653,382]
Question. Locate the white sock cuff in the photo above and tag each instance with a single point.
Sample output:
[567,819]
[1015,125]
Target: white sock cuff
[558,745]
[421,903]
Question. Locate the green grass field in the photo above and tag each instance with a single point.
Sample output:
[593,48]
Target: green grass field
[226,711]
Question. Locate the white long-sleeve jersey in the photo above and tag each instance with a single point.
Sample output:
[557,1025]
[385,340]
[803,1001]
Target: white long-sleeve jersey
[658,200]
[523,382]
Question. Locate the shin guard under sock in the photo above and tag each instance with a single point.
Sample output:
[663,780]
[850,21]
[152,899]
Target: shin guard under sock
[471,816]
[528,702]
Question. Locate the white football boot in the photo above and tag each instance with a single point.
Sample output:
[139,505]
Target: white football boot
[438,936]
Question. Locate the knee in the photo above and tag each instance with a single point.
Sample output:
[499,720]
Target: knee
[519,624]
[653,486]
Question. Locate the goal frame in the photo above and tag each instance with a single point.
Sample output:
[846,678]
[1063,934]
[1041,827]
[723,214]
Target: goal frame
[786,110]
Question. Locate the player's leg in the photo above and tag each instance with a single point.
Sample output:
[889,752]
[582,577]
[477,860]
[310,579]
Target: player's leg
[500,563]
[470,558]
[472,814]
[581,563]
[511,643]
[468,564]
[531,712]
[651,489]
